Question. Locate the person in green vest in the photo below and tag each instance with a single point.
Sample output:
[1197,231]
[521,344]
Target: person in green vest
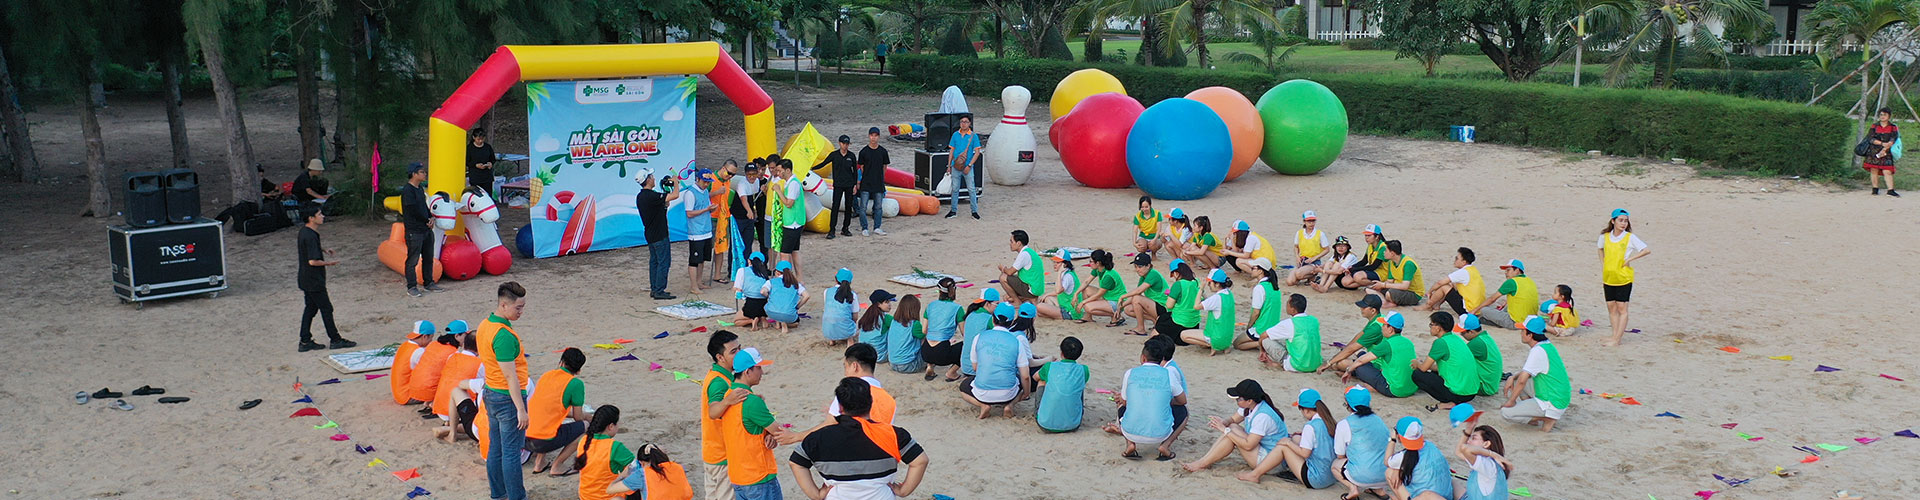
[1182,305]
[1266,304]
[1218,331]
[1144,300]
[1024,280]
[1388,366]
[1449,371]
[1518,295]
[1103,290]
[1485,352]
[1293,344]
[1368,337]
[1063,302]
[1543,377]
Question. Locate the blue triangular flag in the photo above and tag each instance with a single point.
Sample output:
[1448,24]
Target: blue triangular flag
[418,492]
[362,449]
[304,399]
[1907,433]
[628,357]
[329,381]
[1821,368]
[663,335]
[1668,414]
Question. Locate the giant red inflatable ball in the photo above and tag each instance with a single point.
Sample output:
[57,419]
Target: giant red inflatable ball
[1092,139]
[460,259]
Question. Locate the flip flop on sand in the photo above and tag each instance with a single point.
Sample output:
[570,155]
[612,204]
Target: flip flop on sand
[121,404]
[174,400]
[1166,457]
[249,404]
[1131,455]
[148,391]
[105,393]
[567,473]
[81,398]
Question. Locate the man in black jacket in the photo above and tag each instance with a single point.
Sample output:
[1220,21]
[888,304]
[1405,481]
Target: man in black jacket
[418,221]
[873,180]
[652,204]
[845,176]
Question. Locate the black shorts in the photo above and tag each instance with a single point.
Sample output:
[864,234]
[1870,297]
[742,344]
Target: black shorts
[1179,416]
[1456,302]
[565,435]
[1618,293]
[789,239]
[1340,281]
[754,308]
[699,252]
[463,416]
[1226,261]
[944,353]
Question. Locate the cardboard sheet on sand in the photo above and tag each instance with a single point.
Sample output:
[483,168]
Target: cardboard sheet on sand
[693,309]
[924,279]
[379,358]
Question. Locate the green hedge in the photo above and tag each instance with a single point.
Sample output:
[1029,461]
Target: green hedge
[1730,132]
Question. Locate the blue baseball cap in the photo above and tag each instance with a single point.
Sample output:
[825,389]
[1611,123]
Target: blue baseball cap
[1515,264]
[757,256]
[1536,324]
[1175,264]
[1371,229]
[1027,310]
[843,274]
[784,265]
[1547,307]
[1618,213]
[1411,433]
[1393,319]
[1004,311]
[703,174]
[1462,413]
[1177,213]
[1241,225]
[1469,322]
[748,357]
[458,326]
[1219,275]
[1358,396]
[1309,399]
[422,327]
[990,295]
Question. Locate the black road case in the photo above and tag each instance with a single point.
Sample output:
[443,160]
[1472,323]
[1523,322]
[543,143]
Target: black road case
[930,167]
[168,261]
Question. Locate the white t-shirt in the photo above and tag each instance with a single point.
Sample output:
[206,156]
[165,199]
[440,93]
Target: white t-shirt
[1068,281]
[1634,245]
[768,288]
[1348,261]
[1259,295]
[1212,304]
[1307,439]
[740,276]
[1342,434]
[1393,461]
[415,360]
[1489,470]
[1537,364]
[1284,329]
[1022,261]
[746,187]
[833,408]
[1261,424]
[1178,377]
[1024,355]
[1460,276]
[1253,244]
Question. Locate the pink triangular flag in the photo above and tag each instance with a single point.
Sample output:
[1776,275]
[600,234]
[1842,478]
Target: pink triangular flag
[376,375]
[1705,494]
[1893,378]
[374,165]
[653,367]
[339,437]
[1729,425]
[1865,440]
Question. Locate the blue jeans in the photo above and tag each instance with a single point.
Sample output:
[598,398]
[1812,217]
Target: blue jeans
[769,490]
[659,259]
[503,454]
[870,203]
[973,192]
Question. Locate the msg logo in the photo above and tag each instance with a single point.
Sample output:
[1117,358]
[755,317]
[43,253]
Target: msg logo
[176,250]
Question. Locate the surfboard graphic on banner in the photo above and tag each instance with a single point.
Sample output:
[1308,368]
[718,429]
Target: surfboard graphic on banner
[589,138]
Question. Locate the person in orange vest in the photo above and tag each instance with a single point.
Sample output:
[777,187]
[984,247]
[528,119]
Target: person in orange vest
[505,361]
[404,358]
[750,433]
[722,345]
[452,397]
[858,363]
[423,383]
[850,453]
[608,469]
[558,396]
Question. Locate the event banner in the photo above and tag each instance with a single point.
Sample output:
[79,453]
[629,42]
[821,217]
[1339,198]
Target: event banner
[589,139]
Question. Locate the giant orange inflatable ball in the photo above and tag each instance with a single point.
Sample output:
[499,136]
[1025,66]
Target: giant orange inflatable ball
[460,259]
[1243,125]
[1092,140]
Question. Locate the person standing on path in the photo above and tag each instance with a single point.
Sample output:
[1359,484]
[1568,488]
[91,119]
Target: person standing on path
[653,215]
[480,162]
[699,207]
[1883,137]
[1618,249]
[418,221]
[846,178]
[880,54]
[873,180]
[505,395]
[313,283]
[965,148]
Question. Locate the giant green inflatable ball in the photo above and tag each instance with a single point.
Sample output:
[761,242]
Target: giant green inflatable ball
[1306,127]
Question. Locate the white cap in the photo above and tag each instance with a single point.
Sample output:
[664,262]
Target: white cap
[1263,263]
[1309,215]
[642,175]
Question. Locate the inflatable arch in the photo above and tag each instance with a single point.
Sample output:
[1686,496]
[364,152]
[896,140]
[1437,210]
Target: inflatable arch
[511,64]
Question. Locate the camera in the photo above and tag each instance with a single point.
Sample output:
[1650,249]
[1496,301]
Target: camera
[667,182]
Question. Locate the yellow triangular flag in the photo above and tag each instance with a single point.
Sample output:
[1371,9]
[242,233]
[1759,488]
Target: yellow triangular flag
[1781,358]
[376,462]
[608,346]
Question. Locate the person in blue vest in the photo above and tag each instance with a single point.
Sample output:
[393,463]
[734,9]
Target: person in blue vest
[1151,392]
[1418,469]
[905,336]
[1482,449]
[873,323]
[1360,445]
[837,315]
[943,343]
[749,285]
[1063,387]
[1253,431]
[999,360]
[785,296]
[975,320]
[1309,458]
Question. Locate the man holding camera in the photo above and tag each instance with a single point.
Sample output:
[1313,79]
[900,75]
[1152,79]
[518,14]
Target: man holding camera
[653,214]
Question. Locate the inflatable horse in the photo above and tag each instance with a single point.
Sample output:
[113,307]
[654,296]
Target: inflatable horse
[479,213]
[393,251]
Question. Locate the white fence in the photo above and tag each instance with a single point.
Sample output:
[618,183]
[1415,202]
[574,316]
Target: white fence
[1803,47]
[1341,36]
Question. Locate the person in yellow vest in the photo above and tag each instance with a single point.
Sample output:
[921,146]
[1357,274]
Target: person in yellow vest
[404,357]
[1450,372]
[1518,295]
[1243,247]
[1309,243]
[1146,225]
[504,398]
[717,398]
[560,395]
[1618,249]
[856,455]
[1562,319]
[750,434]
[1372,263]
[1400,281]
[857,364]
[1463,290]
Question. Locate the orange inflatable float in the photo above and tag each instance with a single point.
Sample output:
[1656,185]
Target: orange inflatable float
[393,252]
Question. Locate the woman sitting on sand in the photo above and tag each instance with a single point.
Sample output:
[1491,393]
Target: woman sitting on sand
[1360,445]
[977,319]
[1203,247]
[873,323]
[1182,301]
[1144,299]
[905,336]
[1336,266]
[1174,234]
[1483,451]
[750,283]
[1218,333]
[943,324]
[1105,290]
[1309,459]
[1418,470]
[1253,431]
[1062,302]
[785,296]
[1562,319]
[837,315]
[1147,222]
[1243,247]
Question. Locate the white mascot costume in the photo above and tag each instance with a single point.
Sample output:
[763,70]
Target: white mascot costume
[480,214]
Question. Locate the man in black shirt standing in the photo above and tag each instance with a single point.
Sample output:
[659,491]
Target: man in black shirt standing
[873,180]
[418,220]
[746,200]
[653,214]
[856,454]
[313,283]
[480,162]
[845,180]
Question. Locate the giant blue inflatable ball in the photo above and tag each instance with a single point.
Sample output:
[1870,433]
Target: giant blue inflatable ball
[1179,149]
[1306,127]
[523,241]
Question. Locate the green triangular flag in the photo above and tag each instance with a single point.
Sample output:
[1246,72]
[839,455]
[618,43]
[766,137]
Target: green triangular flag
[1521,491]
[328,425]
[1830,447]
[724,323]
[1744,435]
[679,376]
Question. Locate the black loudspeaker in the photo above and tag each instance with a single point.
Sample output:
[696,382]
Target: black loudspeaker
[146,200]
[183,195]
[940,129]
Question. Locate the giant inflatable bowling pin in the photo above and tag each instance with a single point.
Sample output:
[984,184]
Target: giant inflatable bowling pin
[1009,151]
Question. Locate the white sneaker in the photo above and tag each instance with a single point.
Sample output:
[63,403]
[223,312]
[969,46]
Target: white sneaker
[879,232]
[864,232]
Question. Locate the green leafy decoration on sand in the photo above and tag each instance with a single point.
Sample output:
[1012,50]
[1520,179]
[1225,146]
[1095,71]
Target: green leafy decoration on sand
[927,275]
[699,304]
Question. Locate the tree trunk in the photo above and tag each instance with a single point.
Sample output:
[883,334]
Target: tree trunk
[312,132]
[1149,40]
[244,182]
[26,166]
[1663,61]
[1000,37]
[176,118]
[99,200]
[1200,35]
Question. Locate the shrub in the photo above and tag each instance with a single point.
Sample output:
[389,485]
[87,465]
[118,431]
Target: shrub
[1361,44]
[1730,132]
[955,42]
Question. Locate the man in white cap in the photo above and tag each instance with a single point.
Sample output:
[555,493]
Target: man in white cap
[1543,377]
[652,204]
[303,184]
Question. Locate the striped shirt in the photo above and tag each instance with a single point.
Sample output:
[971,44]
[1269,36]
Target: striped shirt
[843,452]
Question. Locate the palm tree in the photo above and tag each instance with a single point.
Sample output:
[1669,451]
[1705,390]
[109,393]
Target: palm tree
[1656,28]
[1272,53]
[1190,18]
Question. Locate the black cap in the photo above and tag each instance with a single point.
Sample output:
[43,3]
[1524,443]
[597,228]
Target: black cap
[873,130]
[415,167]
[848,140]
[879,296]
[1370,301]
[1247,389]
